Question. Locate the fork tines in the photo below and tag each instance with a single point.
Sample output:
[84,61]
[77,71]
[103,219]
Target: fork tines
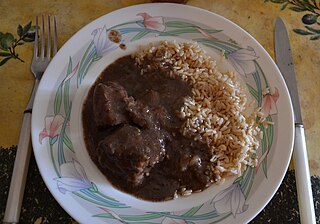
[42,32]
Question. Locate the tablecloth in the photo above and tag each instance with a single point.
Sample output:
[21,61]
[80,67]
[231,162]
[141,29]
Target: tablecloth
[257,17]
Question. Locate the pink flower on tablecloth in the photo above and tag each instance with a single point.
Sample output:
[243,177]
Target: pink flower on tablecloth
[152,22]
[53,125]
[269,106]
[230,200]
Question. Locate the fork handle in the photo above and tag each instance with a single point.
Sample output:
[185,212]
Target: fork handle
[19,175]
[21,164]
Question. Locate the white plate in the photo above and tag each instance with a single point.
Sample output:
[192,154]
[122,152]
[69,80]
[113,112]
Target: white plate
[57,138]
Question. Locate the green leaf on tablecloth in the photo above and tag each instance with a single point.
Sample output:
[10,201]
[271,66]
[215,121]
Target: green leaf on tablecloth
[276,1]
[316,37]
[307,5]
[6,41]
[26,28]
[312,29]
[297,9]
[284,6]
[28,39]
[3,61]
[20,30]
[302,32]
[4,54]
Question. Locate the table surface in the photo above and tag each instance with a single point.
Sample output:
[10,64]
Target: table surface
[257,17]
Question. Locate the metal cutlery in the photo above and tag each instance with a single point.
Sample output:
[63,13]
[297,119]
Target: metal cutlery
[41,57]
[285,63]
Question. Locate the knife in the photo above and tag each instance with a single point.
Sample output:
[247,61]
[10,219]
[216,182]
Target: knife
[285,63]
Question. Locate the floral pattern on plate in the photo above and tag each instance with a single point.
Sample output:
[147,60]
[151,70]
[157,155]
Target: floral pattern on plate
[71,177]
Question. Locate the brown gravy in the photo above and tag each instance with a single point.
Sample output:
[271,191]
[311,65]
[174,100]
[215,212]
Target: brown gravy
[178,164]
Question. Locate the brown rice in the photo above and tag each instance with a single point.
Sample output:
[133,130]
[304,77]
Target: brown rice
[216,112]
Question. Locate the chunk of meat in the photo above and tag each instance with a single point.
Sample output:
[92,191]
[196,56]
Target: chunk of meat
[130,153]
[110,101]
[140,114]
[146,116]
[151,98]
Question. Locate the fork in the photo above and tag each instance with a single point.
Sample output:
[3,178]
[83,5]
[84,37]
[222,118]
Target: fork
[40,61]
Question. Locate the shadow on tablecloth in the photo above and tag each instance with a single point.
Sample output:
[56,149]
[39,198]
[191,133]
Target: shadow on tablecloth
[39,205]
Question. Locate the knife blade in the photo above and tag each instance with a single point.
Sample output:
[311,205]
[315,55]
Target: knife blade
[284,61]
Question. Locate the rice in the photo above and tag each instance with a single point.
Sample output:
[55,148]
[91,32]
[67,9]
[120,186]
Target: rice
[216,112]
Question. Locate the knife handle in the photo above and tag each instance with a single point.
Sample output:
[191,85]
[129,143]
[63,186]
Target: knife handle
[302,173]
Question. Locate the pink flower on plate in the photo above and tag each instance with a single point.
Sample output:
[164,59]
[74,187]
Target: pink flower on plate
[53,125]
[206,34]
[269,106]
[152,22]
[113,214]
[72,73]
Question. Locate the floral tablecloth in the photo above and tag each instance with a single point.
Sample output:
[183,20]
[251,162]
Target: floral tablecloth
[302,18]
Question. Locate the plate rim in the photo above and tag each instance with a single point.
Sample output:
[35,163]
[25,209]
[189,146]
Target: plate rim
[71,39]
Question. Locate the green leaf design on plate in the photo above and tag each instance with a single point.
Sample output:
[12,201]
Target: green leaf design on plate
[259,87]
[264,147]
[93,188]
[193,29]
[253,92]
[269,131]
[58,99]
[140,35]
[261,73]
[86,60]
[223,46]
[61,157]
[67,142]
[66,88]
[178,24]
[192,211]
